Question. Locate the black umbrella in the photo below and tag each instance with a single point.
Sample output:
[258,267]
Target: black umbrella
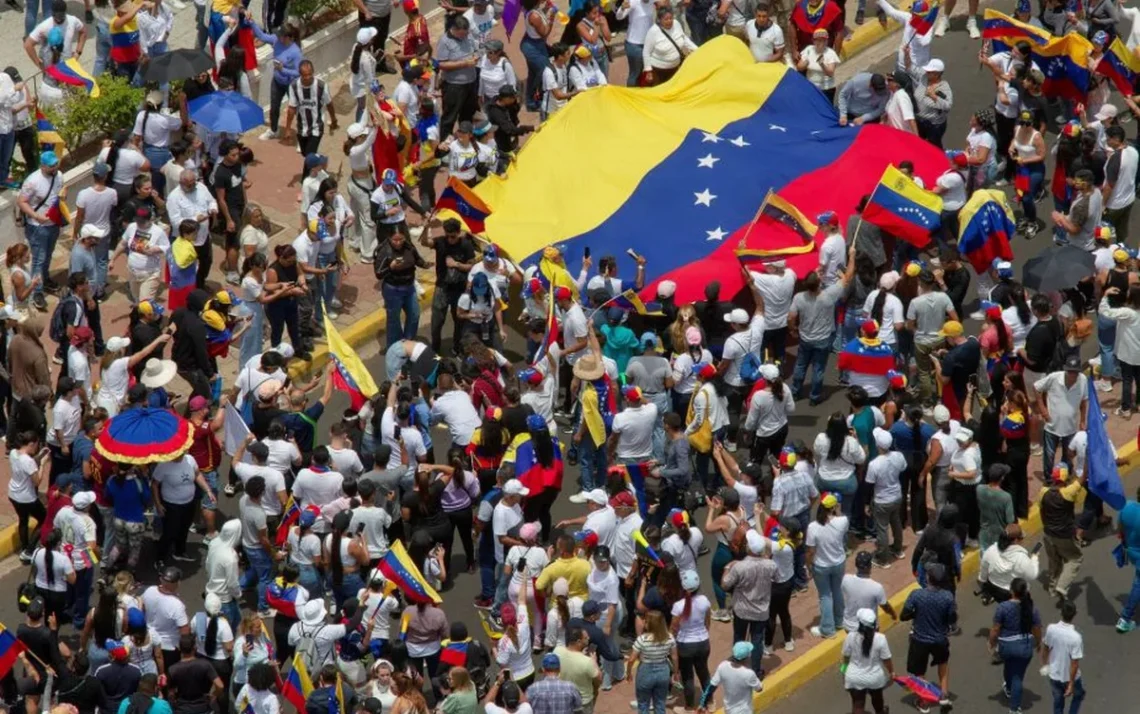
[178,64]
[1057,268]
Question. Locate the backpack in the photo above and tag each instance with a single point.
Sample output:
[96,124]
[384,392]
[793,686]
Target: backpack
[750,367]
[57,329]
[307,647]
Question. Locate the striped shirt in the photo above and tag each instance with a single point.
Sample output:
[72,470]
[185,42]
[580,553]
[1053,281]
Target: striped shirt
[792,493]
[650,651]
[309,103]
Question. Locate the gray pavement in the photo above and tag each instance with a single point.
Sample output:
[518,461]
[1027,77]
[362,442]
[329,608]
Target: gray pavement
[975,683]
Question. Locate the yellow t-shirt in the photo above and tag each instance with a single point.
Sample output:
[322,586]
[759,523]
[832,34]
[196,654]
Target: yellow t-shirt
[578,669]
[575,570]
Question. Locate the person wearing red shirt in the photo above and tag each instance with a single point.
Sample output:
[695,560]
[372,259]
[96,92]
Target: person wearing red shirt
[207,453]
[811,15]
[58,496]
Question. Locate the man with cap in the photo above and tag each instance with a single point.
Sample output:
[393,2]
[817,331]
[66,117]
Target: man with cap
[933,99]
[863,99]
[81,544]
[576,337]
[119,678]
[39,196]
[506,518]
[503,113]
[36,35]
[624,553]
[777,286]
[83,259]
[954,368]
[592,635]
[812,320]
[600,518]
[747,339]
[631,438]
[93,207]
[740,681]
[861,592]
[1062,402]
[1060,500]
[166,613]
[652,374]
[884,473]
[1084,215]
[750,582]
[501,272]
[551,694]
[933,614]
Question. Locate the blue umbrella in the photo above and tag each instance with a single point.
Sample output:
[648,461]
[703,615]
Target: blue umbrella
[227,112]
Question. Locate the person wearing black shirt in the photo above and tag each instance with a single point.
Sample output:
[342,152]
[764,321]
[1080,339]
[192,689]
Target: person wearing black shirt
[76,687]
[146,328]
[515,413]
[958,365]
[710,313]
[229,185]
[504,114]
[321,698]
[192,681]
[395,268]
[189,350]
[588,623]
[119,678]
[1041,342]
[953,279]
[454,258]
[30,414]
[43,648]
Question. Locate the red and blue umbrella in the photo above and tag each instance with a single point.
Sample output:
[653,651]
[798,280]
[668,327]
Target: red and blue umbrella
[144,436]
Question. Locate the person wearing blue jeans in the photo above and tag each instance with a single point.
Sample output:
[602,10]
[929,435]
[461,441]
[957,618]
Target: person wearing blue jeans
[34,12]
[537,57]
[815,355]
[591,463]
[7,149]
[328,283]
[255,541]
[38,195]
[826,560]
[1062,652]
[395,267]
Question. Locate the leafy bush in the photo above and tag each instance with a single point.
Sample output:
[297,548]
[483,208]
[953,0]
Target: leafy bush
[80,119]
[306,11]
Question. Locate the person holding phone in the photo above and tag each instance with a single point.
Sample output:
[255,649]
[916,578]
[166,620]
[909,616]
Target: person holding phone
[1005,561]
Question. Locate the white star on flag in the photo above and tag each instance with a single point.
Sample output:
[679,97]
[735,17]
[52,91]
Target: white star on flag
[704,198]
[706,162]
[710,137]
[739,141]
[717,235]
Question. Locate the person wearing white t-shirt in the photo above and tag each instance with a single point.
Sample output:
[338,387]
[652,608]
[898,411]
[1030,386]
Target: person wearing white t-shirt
[1119,188]
[765,38]
[747,336]
[883,473]
[71,27]
[454,408]
[28,466]
[166,613]
[146,244]
[951,186]
[66,418]
[115,371]
[600,518]
[818,62]
[505,518]
[175,495]
[885,308]
[826,556]
[556,89]
[276,495]
[631,439]
[900,108]
[318,486]
[1064,648]
[777,286]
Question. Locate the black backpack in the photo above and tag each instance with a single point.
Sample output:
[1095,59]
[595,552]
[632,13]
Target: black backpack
[57,330]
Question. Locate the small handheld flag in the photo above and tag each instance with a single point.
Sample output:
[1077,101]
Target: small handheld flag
[457,198]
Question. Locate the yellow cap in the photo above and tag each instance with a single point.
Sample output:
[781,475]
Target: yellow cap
[582,51]
[953,328]
[830,501]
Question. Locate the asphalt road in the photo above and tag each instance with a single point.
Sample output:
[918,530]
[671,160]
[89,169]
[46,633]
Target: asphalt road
[975,684]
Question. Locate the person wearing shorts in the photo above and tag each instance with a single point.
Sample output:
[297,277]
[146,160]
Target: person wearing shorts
[933,614]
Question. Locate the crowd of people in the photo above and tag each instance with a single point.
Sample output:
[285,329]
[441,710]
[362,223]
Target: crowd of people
[693,399]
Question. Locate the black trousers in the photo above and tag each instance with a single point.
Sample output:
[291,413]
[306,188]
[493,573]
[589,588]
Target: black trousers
[198,381]
[277,94]
[205,262]
[460,102]
[24,511]
[461,522]
[778,608]
[537,508]
[175,527]
[26,140]
[443,302]
[308,145]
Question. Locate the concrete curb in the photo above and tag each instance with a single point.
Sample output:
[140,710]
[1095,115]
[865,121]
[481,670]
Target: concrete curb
[869,34]
[787,680]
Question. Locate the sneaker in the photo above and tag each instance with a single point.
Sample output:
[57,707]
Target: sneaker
[722,615]
[972,28]
[768,651]
[816,632]
[268,614]
[1004,689]
[1103,385]
[229,489]
[194,529]
[923,706]
[333,314]
[942,25]
[946,704]
[184,558]
[579,497]
[367,259]
[56,360]
[790,646]
[1123,413]
[885,565]
[233,278]
[1122,625]
[25,556]
[730,447]
[267,135]
[977,315]
[1000,183]
[483,603]
[336,304]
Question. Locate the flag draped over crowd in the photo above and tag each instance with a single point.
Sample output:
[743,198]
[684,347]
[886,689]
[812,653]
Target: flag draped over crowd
[1063,60]
[687,167]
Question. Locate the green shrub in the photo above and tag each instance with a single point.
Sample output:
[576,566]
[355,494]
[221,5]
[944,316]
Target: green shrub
[80,119]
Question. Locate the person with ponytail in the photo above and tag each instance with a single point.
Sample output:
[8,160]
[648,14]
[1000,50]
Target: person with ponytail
[563,609]
[254,298]
[1014,639]
[54,573]
[545,476]
[685,542]
[102,624]
[427,629]
[867,667]
[826,560]
[460,493]
[215,640]
[346,554]
[489,443]
[690,627]
[769,406]
[362,64]
[886,309]
[285,278]
[513,651]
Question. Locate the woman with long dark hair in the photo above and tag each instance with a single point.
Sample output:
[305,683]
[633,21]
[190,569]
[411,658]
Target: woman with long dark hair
[54,573]
[1015,637]
[102,624]
[544,479]
[1015,436]
[488,445]
[690,627]
[539,23]
[837,454]
[768,409]
[867,663]
[286,595]
[459,496]
[723,518]
[421,508]
[286,280]
[215,640]
[346,554]
[427,628]
[911,435]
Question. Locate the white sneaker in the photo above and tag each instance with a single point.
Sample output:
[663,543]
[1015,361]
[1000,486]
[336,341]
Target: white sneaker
[333,314]
[267,135]
[790,646]
[1103,385]
[941,25]
[815,631]
[768,651]
[730,447]
[977,315]
[972,28]
[579,497]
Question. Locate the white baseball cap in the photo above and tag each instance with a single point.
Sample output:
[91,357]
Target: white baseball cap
[738,316]
[934,65]
[514,487]
[597,496]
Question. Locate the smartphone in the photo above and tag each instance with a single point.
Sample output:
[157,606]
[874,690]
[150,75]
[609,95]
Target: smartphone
[1037,548]
[359,528]
[507,675]
[586,253]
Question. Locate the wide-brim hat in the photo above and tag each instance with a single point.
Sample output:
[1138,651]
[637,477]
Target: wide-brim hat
[588,368]
[158,373]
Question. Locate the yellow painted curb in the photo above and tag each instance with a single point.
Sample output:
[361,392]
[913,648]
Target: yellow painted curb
[827,654]
[870,32]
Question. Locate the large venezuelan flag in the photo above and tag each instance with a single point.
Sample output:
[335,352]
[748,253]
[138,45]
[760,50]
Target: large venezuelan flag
[686,167]
[986,226]
[1121,66]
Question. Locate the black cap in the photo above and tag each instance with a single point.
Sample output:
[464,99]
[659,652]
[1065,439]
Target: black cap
[171,575]
[13,73]
[863,560]
[58,7]
[878,82]
[1084,175]
[1073,363]
[372,705]
[508,90]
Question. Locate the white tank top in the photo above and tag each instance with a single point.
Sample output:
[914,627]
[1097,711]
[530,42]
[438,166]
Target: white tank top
[1026,151]
[530,31]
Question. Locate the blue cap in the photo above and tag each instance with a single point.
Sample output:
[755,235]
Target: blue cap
[1023,6]
[314,160]
[649,338]
[741,651]
[135,618]
[1100,38]
[49,158]
[490,254]
[307,519]
[615,315]
[388,177]
[550,662]
[535,422]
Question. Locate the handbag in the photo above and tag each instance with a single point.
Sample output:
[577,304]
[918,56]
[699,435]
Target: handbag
[27,590]
[701,440]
